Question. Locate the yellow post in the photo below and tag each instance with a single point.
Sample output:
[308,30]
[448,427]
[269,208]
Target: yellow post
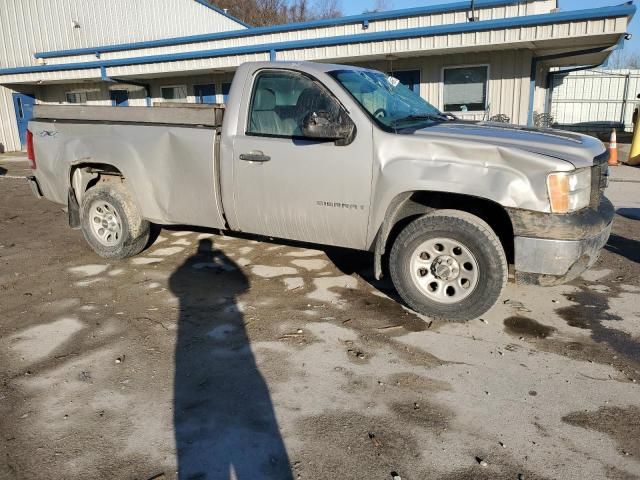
[634,154]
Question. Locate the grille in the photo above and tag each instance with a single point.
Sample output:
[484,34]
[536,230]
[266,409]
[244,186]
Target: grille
[599,178]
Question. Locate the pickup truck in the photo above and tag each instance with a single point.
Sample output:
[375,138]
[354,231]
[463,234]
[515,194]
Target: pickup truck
[343,156]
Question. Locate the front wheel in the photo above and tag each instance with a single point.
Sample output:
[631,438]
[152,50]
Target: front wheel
[111,222]
[448,265]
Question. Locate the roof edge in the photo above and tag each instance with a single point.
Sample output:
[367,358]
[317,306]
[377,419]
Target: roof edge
[206,4]
[625,10]
[288,27]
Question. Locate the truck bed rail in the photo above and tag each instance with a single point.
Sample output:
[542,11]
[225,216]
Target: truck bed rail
[183,114]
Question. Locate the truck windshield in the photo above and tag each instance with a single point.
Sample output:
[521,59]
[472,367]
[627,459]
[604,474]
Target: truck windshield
[392,105]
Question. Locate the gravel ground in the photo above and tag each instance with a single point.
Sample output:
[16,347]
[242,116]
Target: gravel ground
[216,357]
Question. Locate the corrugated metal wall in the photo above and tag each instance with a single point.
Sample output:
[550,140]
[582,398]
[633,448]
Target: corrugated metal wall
[9,140]
[501,39]
[28,26]
[582,100]
[435,19]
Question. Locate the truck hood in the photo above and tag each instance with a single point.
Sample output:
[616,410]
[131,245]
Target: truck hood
[575,148]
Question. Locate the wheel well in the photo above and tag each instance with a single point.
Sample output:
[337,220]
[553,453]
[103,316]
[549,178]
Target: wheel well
[82,177]
[417,204]
[87,175]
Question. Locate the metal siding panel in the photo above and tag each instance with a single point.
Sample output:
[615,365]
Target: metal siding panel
[374,25]
[9,139]
[29,26]
[32,27]
[513,34]
[595,96]
[450,40]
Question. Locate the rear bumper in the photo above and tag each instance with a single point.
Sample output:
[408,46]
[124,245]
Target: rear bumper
[35,186]
[558,248]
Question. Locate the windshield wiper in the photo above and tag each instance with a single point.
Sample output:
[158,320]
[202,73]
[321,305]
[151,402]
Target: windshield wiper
[441,117]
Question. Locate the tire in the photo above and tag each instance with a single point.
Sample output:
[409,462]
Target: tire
[459,282]
[110,205]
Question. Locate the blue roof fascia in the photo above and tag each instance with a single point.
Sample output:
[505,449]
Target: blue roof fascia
[222,12]
[373,16]
[531,20]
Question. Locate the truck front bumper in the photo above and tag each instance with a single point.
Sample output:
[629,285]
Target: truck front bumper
[552,249]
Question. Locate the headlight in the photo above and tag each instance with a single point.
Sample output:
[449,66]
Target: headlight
[569,191]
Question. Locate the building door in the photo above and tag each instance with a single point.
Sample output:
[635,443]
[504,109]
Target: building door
[119,98]
[23,104]
[409,78]
[205,93]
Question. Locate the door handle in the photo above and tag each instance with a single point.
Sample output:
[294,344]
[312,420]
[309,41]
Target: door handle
[254,157]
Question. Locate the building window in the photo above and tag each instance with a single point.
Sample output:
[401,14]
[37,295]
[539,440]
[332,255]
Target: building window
[174,93]
[205,93]
[226,87]
[76,97]
[408,78]
[465,88]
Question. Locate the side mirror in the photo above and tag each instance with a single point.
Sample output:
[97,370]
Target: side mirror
[321,126]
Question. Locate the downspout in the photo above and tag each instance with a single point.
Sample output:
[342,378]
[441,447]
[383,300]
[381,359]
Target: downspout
[532,90]
[472,18]
[625,99]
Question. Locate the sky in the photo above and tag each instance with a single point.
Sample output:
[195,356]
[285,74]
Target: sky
[351,7]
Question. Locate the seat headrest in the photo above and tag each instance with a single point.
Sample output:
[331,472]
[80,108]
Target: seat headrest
[265,100]
[312,98]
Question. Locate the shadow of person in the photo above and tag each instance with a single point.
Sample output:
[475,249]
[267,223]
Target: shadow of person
[224,423]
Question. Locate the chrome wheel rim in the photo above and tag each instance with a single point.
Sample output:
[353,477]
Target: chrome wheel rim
[105,222]
[444,270]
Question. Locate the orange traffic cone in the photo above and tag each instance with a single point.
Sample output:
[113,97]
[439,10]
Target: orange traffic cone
[613,149]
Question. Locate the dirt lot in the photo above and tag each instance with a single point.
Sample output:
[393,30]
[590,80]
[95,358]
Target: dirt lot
[208,355]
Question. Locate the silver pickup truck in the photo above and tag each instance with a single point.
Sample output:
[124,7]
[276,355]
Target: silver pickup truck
[342,156]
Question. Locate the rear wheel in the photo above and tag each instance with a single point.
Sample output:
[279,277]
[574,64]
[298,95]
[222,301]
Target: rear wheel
[111,222]
[448,265]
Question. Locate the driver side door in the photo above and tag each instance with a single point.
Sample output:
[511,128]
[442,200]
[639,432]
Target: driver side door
[293,187]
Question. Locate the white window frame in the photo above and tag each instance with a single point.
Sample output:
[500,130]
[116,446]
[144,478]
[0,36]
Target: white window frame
[487,100]
[183,86]
[84,94]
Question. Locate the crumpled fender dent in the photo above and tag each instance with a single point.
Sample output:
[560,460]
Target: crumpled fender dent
[510,177]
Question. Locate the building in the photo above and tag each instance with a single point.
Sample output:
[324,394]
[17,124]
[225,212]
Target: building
[595,101]
[494,59]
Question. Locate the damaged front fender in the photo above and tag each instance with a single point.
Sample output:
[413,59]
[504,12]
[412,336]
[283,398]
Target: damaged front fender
[510,177]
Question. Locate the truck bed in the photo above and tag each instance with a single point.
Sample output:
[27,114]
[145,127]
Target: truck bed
[167,155]
[166,114]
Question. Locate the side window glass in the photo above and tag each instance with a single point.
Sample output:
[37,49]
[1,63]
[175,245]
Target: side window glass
[282,101]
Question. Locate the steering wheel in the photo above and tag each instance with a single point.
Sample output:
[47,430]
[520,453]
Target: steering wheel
[380,113]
